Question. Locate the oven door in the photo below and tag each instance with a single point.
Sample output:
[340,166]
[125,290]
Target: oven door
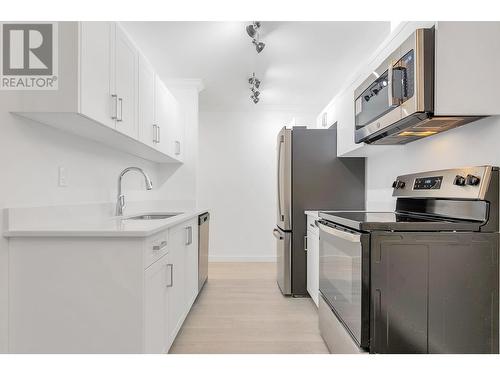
[344,278]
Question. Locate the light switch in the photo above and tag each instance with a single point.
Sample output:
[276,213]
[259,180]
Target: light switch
[63,177]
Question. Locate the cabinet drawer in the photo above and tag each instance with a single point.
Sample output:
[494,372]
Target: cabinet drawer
[311,224]
[155,247]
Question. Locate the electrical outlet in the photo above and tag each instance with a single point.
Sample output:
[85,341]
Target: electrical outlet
[63,177]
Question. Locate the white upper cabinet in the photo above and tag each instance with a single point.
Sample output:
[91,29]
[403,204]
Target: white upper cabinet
[107,93]
[125,79]
[96,79]
[466,78]
[146,107]
[167,121]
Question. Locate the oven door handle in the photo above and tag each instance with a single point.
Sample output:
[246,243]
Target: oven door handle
[351,237]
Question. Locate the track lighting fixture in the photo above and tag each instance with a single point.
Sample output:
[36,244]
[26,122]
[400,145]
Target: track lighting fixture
[252,29]
[254,83]
[253,32]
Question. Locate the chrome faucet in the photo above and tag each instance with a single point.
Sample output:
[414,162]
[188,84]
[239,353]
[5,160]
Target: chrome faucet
[120,202]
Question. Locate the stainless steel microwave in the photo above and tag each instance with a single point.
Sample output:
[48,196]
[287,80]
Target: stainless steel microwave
[395,104]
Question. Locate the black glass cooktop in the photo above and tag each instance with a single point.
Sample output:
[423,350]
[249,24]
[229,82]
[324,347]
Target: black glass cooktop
[366,220]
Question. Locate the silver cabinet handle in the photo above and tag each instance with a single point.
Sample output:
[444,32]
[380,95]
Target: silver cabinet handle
[351,237]
[155,133]
[177,147]
[160,246]
[115,112]
[120,100]
[305,244]
[277,234]
[158,134]
[170,267]
[189,235]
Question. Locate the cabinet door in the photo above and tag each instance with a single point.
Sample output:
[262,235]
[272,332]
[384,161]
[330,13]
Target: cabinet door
[191,254]
[96,101]
[166,108]
[178,125]
[146,103]
[126,57]
[156,281]
[463,294]
[177,287]
[313,265]
[399,284]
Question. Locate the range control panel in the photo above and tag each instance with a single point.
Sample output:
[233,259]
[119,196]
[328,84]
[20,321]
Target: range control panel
[460,183]
[427,183]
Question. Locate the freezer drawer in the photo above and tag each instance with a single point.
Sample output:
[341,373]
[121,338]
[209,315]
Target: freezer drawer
[283,261]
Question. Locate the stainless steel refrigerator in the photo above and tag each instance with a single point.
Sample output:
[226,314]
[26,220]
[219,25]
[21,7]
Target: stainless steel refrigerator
[309,177]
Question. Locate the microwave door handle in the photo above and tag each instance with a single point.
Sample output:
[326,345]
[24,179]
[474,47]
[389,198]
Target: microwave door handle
[351,237]
[390,76]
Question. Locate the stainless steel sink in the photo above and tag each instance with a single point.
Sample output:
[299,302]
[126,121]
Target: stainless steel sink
[153,216]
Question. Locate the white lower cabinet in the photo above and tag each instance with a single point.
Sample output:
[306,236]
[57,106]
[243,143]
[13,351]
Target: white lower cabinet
[191,254]
[156,329]
[101,295]
[312,248]
[170,288]
[176,284]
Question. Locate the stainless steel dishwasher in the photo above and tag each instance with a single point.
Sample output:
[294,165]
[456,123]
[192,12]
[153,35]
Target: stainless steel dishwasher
[203,225]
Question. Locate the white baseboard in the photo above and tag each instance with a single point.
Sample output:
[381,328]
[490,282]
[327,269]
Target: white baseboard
[216,258]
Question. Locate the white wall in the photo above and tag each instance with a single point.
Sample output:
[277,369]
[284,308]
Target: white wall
[237,180]
[30,154]
[476,143]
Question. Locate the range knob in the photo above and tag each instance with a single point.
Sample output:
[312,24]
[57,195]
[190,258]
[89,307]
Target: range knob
[472,180]
[398,184]
[459,180]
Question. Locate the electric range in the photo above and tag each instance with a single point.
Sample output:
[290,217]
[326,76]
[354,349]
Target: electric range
[423,278]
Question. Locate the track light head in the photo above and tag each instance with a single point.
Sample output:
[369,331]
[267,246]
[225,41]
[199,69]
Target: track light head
[259,46]
[252,29]
[254,99]
[256,83]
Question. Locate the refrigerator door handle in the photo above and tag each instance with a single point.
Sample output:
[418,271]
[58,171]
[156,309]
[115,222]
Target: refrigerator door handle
[282,140]
[277,234]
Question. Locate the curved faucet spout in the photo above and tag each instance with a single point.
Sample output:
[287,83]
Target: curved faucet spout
[120,201]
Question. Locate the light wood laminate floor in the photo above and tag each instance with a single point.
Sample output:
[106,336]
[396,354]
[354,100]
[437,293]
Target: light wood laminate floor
[241,310]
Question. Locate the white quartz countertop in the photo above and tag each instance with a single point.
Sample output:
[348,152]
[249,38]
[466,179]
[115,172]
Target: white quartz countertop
[94,225]
[312,213]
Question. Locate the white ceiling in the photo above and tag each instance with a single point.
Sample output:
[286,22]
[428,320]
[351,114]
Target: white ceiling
[302,67]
